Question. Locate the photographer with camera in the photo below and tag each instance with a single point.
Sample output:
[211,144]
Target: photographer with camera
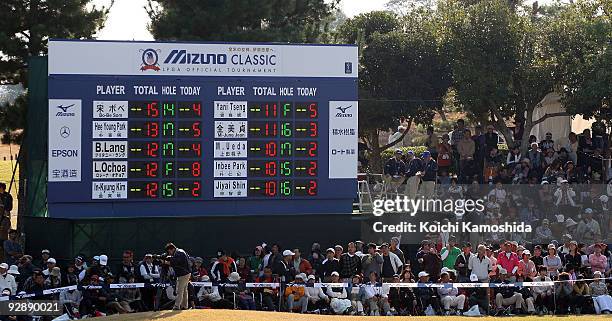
[179,261]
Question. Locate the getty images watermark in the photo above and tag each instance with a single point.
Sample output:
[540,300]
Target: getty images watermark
[458,208]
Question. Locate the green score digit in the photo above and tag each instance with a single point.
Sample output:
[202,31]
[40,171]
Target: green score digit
[285,188]
[168,189]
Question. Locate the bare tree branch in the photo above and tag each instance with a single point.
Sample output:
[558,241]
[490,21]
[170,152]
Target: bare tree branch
[545,117]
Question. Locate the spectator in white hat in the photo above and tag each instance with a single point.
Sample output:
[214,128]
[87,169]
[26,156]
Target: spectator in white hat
[588,229]
[6,279]
[316,296]
[329,265]
[295,293]
[339,303]
[600,294]
[284,269]
[450,296]
[51,263]
[42,261]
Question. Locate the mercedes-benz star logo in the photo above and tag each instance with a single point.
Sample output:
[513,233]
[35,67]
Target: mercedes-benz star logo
[65,132]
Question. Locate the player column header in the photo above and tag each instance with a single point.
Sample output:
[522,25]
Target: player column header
[201,59]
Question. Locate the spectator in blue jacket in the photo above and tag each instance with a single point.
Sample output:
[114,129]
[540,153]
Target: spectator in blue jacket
[428,175]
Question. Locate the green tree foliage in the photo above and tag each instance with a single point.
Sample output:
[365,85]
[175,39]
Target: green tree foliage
[241,20]
[401,74]
[25,27]
[579,44]
[498,59]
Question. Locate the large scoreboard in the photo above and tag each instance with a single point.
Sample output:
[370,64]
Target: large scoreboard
[186,129]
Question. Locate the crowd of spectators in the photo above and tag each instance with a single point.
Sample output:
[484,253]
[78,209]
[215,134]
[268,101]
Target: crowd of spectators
[359,279]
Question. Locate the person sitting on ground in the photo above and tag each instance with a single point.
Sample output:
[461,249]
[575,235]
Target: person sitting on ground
[340,304]
[376,296]
[507,295]
[269,294]
[580,295]
[317,298]
[295,295]
[426,295]
[543,295]
[209,296]
[450,296]
[601,297]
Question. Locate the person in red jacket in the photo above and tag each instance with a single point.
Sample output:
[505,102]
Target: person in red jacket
[301,264]
[508,260]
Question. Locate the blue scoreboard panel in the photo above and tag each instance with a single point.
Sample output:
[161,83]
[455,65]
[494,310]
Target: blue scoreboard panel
[186,129]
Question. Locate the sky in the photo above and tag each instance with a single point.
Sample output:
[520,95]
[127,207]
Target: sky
[128,18]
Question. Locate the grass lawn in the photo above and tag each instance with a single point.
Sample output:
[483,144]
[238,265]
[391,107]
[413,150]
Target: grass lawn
[233,315]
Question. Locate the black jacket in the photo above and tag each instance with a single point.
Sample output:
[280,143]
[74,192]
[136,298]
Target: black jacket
[180,263]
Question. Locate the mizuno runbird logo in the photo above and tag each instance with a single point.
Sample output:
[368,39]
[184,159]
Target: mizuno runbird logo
[63,111]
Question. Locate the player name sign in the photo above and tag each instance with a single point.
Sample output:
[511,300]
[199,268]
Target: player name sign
[188,129]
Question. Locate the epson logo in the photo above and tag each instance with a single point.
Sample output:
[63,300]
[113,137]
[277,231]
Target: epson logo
[65,153]
[177,56]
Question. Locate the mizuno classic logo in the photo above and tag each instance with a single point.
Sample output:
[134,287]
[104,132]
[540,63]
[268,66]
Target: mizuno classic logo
[177,56]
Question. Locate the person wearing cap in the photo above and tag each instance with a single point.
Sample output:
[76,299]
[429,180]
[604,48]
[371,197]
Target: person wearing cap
[7,281]
[552,261]
[391,264]
[449,295]
[93,297]
[462,262]
[564,197]
[179,261]
[238,290]
[507,295]
[480,265]
[329,265]
[397,136]
[349,263]
[356,295]
[42,261]
[339,251]
[588,229]
[526,267]
[600,294]
[51,263]
[426,295]
[394,170]
[429,173]
[79,264]
[414,166]
[54,279]
[317,299]
[284,268]
[222,268]
[574,257]
[295,293]
[208,296]
[339,302]
[597,260]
